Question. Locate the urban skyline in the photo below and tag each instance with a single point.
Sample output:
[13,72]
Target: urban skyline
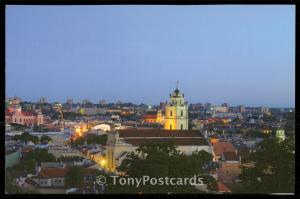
[136,54]
[80,101]
[114,99]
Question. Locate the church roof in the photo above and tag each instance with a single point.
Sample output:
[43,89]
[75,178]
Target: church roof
[177,141]
[221,147]
[176,91]
[125,133]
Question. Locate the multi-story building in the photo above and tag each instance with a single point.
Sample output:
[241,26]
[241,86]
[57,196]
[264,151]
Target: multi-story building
[207,105]
[263,110]
[102,102]
[220,109]
[14,101]
[14,114]
[86,101]
[176,112]
[241,109]
[225,104]
[43,100]
[70,101]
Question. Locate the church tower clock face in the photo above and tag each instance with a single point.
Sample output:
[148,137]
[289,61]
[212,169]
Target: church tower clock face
[176,112]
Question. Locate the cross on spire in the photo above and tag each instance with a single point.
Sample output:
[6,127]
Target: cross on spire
[177,82]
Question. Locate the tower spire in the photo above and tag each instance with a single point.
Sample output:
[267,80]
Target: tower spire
[177,82]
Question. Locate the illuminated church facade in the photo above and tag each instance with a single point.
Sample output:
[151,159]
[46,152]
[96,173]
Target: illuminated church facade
[176,112]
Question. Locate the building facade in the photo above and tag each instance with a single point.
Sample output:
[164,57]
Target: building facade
[128,140]
[14,114]
[176,112]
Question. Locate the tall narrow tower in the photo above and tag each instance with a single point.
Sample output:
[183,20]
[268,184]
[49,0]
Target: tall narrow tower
[176,112]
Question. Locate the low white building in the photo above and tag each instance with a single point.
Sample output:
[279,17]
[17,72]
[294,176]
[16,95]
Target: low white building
[59,151]
[128,140]
[102,127]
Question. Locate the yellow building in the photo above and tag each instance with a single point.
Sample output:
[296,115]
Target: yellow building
[176,112]
[160,117]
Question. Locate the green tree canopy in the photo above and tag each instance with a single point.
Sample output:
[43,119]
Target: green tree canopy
[253,133]
[271,169]
[78,142]
[96,139]
[45,139]
[26,137]
[41,155]
[164,160]
[74,177]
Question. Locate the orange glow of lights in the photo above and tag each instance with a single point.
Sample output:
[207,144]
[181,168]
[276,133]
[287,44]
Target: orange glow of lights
[103,162]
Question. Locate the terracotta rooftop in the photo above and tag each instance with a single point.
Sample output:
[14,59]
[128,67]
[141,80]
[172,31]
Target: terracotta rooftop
[149,116]
[158,133]
[221,147]
[53,172]
[61,172]
[27,113]
[230,156]
[222,187]
[176,141]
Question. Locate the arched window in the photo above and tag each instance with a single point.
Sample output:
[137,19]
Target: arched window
[181,112]
[170,126]
[181,126]
[170,113]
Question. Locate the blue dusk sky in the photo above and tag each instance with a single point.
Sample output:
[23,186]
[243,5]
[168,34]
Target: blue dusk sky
[218,53]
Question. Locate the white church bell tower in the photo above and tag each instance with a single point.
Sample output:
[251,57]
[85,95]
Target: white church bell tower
[176,112]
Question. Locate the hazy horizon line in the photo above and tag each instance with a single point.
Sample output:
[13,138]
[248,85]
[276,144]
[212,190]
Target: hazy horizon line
[150,104]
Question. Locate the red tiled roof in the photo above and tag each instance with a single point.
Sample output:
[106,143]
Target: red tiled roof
[149,116]
[176,141]
[26,113]
[7,113]
[158,133]
[221,147]
[53,172]
[230,156]
[222,187]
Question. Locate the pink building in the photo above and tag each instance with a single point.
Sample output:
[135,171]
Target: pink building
[14,114]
